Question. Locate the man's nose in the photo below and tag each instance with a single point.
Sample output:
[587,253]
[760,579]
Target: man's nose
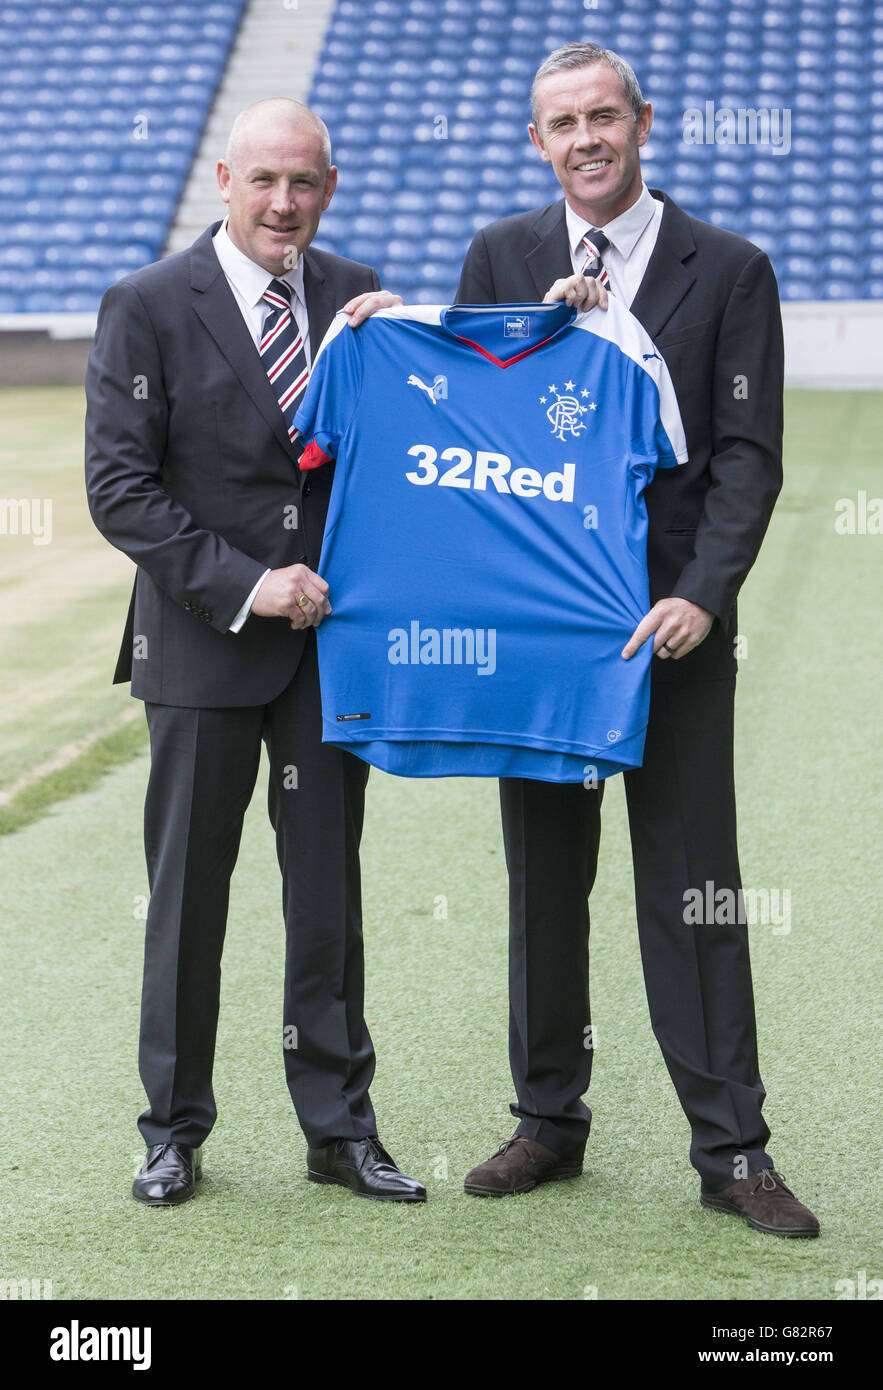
[586,133]
[283,198]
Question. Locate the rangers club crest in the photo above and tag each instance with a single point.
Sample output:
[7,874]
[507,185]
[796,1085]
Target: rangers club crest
[566,412]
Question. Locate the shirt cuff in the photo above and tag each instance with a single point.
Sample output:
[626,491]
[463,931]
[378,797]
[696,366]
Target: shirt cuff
[244,611]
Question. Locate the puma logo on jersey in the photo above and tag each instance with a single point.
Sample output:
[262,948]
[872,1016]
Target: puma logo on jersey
[648,355]
[436,392]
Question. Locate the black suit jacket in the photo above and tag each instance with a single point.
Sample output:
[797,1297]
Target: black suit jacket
[190,471]
[710,302]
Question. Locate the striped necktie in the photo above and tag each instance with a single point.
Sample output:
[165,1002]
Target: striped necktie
[595,244]
[283,353]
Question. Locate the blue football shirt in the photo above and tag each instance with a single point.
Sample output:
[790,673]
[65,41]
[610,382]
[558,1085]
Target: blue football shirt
[485,545]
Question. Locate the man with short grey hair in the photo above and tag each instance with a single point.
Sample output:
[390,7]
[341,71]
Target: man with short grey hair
[198,366]
[708,299]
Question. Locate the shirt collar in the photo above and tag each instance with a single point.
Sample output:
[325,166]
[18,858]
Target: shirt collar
[249,278]
[623,232]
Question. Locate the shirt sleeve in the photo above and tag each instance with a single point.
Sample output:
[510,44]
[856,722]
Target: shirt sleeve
[239,621]
[333,392]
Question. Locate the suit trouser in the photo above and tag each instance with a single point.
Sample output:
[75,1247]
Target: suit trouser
[682,820]
[204,764]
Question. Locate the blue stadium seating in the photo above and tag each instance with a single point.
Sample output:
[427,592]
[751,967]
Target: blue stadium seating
[414,188]
[84,197]
[427,104]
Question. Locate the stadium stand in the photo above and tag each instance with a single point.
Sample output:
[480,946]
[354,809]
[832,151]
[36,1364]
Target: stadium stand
[101,111]
[427,102]
[274,55]
[104,107]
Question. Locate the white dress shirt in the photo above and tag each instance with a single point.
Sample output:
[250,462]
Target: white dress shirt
[248,281]
[632,237]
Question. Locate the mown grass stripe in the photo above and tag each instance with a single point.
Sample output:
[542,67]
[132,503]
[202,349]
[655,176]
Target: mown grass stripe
[35,797]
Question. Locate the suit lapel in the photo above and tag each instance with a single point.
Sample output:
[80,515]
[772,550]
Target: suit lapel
[549,260]
[218,310]
[666,279]
[321,306]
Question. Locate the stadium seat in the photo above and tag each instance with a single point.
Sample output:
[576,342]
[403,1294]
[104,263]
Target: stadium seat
[472,61]
[101,203]
[80,195]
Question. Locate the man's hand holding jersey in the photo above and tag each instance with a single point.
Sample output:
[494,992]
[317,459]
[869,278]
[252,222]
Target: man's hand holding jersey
[364,305]
[678,625]
[296,593]
[581,293]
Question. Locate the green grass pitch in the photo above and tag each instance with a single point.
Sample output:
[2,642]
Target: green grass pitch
[808,771]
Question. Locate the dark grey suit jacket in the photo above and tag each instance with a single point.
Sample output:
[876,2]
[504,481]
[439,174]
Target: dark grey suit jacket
[190,471]
[710,302]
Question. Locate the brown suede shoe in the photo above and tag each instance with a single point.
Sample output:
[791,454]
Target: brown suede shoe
[518,1166]
[766,1203]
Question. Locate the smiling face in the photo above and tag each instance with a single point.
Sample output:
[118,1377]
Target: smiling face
[276,185]
[587,131]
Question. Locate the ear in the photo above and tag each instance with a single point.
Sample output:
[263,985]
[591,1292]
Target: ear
[224,176]
[645,123]
[330,186]
[537,141]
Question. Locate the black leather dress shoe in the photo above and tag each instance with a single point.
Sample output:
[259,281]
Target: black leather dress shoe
[364,1166]
[168,1175]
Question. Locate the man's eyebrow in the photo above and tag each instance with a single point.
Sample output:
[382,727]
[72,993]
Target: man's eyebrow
[258,172]
[592,111]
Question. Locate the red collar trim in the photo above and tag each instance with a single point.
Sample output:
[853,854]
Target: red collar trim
[509,361]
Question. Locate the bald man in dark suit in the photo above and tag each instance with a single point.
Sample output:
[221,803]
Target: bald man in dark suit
[198,366]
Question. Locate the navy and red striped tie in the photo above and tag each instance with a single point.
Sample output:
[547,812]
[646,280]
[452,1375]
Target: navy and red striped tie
[283,352]
[595,244]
